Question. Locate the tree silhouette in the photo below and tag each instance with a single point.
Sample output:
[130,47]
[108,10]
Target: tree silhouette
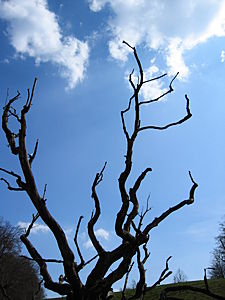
[179,276]
[18,276]
[217,269]
[129,220]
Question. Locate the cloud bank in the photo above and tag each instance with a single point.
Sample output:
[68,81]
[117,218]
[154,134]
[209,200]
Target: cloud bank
[171,27]
[34,31]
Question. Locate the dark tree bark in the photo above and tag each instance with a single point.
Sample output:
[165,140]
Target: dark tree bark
[100,280]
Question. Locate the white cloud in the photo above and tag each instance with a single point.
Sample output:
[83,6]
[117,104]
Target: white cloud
[173,27]
[88,244]
[154,89]
[175,60]
[102,233]
[41,228]
[33,30]
[36,228]
[97,5]
[222,56]
[99,233]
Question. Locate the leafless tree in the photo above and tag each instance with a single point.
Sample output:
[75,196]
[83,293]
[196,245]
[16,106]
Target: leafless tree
[217,269]
[9,239]
[18,276]
[128,224]
[179,276]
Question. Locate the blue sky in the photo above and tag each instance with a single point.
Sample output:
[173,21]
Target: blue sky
[74,49]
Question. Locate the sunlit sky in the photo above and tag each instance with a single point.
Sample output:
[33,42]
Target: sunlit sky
[75,50]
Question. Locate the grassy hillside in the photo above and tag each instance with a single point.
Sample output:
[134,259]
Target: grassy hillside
[217,286]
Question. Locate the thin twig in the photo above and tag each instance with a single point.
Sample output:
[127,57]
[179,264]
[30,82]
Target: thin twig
[47,260]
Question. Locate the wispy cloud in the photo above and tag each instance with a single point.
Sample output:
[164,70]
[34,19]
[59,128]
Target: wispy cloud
[171,27]
[100,233]
[222,56]
[34,31]
[204,230]
[37,228]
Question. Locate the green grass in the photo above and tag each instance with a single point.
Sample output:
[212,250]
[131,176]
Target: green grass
[216,286]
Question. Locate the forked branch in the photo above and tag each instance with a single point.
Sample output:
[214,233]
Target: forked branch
[29,185]
[170,90]
[34,219]
[10,188]
[123,230]
[20,183]
[48,282]
[165,273]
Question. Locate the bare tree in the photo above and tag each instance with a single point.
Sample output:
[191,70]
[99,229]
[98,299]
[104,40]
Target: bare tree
[217,269]
[18,276]
[132,232]
[9,239]
[179,276]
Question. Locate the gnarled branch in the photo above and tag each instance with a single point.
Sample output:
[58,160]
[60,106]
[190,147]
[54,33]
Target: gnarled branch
[76,243]
[32,191]
[8,133]
[48,282]
[10,188]
[184,119]
[95,216]
[172,209]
